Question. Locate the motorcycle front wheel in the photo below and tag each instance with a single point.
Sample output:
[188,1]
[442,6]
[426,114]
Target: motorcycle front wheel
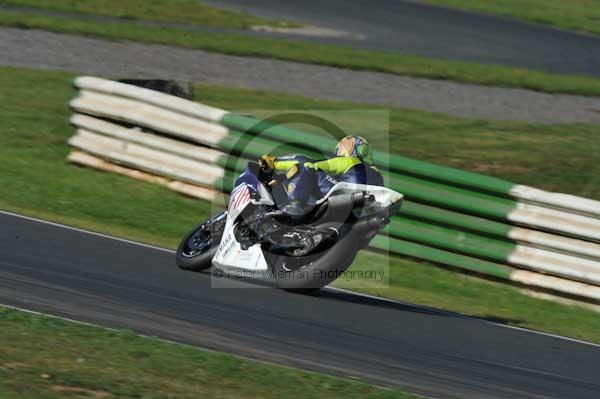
[197,249]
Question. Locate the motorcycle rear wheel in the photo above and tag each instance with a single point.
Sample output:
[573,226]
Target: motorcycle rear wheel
[317,271]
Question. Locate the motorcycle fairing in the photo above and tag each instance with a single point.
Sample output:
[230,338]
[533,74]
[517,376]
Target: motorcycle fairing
[230,253]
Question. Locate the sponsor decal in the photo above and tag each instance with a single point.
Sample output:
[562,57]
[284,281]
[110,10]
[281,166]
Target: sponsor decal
[331,179]
[240,196]
[226,246]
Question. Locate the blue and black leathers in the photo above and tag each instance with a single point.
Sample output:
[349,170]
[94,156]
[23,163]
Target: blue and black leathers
[310,180]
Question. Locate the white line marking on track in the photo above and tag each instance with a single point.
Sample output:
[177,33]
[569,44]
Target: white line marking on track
[62,226]
[195,347]
[579,341]
[462,316]
[328,287]
[56,317]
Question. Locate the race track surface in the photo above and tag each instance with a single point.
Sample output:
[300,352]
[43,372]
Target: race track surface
[110,282]
[415,28]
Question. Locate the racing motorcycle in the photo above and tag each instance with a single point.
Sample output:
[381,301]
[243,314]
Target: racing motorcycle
[254,238]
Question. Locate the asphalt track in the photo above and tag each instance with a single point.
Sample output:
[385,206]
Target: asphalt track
[416,28]
[93,278]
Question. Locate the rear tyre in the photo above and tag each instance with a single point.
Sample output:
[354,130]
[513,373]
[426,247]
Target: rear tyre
[317,271]
[197,249]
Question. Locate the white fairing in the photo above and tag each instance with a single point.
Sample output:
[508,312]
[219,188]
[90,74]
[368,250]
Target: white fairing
[383,195]
[230,254]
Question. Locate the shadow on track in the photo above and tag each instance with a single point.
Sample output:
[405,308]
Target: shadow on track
[336,294]
[331,293]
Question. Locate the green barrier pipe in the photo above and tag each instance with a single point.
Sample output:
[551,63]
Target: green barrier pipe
[450,197]
[225,184]
[413,209]
[450,218]
[278,133]
[428,213]
[402,247]
[415,189]
[232,163]
[393,162]
[255,146]
[430,192]
[398,163]
[419,251]
[437,236]
[450,239]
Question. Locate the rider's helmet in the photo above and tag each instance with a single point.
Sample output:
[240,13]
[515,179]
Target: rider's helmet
[355,146]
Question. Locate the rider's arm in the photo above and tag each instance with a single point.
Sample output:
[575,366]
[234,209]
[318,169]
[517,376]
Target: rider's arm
[335,166]
[281,164]
[286,164]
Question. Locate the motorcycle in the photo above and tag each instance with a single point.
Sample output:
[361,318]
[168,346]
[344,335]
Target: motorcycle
[254,238]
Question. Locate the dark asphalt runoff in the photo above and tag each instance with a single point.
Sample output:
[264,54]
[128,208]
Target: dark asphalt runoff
[415,28]
[110,282]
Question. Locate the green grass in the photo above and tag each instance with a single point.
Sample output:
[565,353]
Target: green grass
[36,180]
[173,11]
[47,358]
[578,15]
[34,175]
[338,56]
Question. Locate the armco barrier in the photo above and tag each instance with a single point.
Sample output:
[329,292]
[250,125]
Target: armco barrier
[496,270]
[458,198]
[191,190]
[462,219]
[495,248]
[399,164]
[396,163]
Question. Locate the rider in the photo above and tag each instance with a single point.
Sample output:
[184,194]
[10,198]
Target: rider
[352,163]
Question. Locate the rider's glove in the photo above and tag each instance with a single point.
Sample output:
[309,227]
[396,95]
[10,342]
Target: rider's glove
[267,163]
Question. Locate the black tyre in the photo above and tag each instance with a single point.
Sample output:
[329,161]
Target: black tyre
[317,271]
[197,249]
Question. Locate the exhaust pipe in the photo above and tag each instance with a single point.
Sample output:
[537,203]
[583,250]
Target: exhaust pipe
[371,223]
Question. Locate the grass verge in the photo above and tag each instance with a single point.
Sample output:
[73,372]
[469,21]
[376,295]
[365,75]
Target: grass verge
[43,357]
[299,51]
[36,180]
[578,15]
[173,11]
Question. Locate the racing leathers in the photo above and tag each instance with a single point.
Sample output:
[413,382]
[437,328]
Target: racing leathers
[307,180]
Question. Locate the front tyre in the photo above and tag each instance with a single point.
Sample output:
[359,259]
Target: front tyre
[197,249]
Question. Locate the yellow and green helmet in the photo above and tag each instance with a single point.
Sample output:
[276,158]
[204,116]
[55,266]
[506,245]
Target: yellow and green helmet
[355,146]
